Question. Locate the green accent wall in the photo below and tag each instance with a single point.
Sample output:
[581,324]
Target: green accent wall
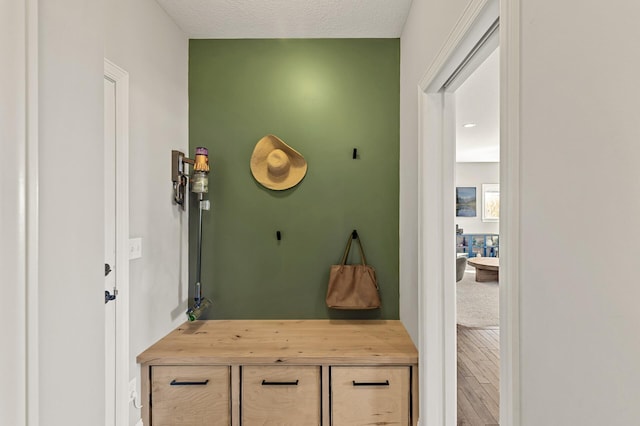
[323,97]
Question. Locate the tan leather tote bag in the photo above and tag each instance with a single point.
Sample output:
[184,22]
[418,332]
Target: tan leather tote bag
[353,286]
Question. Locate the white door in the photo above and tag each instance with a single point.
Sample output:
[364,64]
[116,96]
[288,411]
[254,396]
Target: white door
[110,283]
[116,229]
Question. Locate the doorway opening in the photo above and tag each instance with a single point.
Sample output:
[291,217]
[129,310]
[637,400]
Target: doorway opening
[477,214]
[436,213]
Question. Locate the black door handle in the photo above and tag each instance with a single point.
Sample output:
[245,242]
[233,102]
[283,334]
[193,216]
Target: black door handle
[108,297]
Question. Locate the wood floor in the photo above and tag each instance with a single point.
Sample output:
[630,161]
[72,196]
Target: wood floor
[478,376]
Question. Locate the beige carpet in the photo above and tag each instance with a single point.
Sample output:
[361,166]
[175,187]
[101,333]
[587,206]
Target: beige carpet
[477,303]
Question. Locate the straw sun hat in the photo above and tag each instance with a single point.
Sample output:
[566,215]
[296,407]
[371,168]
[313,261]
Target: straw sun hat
[276,165]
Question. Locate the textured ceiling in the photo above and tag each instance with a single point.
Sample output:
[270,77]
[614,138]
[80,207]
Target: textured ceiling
[289,18]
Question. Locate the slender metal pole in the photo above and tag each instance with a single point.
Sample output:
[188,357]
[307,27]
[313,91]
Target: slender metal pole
[198,295]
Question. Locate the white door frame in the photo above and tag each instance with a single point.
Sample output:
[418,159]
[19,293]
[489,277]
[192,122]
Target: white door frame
[510,396]
[436,238]
[33,217]
[19,389]
[121,79]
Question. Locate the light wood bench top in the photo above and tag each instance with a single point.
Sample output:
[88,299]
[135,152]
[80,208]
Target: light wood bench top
[284,342]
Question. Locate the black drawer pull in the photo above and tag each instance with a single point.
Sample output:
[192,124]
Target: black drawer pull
[174,382]
[385,383]
[265,383]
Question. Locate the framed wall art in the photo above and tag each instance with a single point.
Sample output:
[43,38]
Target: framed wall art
[490,202]
[466,201]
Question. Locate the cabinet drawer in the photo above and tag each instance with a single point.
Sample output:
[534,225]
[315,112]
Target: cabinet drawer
[280,395]
[370,395]
[190,395]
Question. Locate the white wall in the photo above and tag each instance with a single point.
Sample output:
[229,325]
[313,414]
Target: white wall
[475,174]
[142,39]
[579,197]
[580,194]
[428,25]
[74,38]
[71,308]
[12,229]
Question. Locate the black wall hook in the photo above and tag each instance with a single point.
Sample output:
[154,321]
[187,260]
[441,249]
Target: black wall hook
[278,235]
[354,234]
[355,153]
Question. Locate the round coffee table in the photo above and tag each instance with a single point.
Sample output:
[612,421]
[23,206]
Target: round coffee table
[487,268]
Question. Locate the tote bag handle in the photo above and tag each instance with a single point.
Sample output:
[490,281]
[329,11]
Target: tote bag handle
[354,236]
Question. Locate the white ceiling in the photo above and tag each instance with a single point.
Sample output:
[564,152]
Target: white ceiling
[289,19]
[478,102]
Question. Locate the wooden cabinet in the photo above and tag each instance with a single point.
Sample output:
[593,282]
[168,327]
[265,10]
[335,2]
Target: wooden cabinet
[485,245]
[190,395]
[280,395]
[298,373]
[370,395]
